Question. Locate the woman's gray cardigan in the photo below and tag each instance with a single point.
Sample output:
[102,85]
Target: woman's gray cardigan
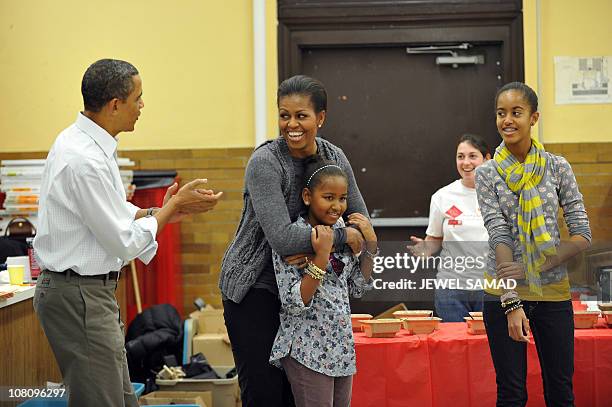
[265,221]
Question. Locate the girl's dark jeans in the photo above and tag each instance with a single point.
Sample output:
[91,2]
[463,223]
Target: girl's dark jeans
[552,328]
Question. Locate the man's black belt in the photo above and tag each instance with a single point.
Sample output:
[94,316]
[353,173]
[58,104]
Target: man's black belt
[112,276]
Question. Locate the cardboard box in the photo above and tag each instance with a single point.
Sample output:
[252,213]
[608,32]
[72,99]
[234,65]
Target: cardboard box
[210,321]
[215,347]
[225,392]
[201,398]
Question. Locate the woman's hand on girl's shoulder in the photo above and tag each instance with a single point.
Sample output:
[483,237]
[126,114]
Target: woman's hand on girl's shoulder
[364,225]
[298,260]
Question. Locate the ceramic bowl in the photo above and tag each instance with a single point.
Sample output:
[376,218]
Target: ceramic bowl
[356,321]
[422,325]
[585,319]
[381,328]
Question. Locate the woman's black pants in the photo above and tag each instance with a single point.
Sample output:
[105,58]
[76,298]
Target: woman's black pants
[252,326]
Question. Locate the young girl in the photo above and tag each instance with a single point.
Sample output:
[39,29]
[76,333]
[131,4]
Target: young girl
[456,226]
[519,193]
[314,343]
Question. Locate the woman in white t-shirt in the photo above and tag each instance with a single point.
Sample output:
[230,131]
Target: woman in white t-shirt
[456,227]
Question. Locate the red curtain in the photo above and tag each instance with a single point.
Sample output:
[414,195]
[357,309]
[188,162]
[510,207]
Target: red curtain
[161,280]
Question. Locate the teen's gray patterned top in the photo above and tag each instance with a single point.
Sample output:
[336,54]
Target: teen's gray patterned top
[499,207]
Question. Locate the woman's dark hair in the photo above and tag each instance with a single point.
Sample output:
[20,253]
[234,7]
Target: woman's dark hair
[306,86]
[315,173]
[477,142]
[105,80]
[530,96]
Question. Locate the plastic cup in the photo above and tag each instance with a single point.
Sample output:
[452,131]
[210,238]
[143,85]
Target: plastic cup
[23,261]
[16,274]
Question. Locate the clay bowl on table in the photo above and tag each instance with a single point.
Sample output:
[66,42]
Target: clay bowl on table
[585,319]
[413,313]
[422,325]
[605,306]
[381,328]
[356,321]
[476,314]
[475,325]
[608,316]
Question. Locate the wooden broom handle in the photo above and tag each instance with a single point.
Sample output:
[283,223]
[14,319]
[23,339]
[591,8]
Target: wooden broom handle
[135,284]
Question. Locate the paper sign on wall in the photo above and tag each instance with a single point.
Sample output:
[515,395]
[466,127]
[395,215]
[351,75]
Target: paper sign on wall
[583,80]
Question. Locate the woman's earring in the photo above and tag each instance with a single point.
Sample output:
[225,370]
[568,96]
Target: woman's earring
[319,126]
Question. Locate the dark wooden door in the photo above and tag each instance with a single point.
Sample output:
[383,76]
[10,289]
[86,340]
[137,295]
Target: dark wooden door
[398,117]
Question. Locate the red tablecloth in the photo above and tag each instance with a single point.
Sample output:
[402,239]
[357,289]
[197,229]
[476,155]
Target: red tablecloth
[453,368]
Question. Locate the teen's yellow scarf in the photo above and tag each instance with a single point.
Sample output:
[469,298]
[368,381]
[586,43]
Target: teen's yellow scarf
[523,179]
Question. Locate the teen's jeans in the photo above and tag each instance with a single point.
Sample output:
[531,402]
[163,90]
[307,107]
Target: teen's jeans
[452,305]
[552,328]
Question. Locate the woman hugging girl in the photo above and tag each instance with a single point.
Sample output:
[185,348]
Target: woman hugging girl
[314,343]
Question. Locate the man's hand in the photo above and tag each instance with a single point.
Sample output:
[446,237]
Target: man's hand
[190,199]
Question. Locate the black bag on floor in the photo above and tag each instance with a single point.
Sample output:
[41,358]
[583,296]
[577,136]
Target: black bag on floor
[154,334]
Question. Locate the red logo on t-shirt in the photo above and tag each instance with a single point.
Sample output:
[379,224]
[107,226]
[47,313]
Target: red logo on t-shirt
[454,212]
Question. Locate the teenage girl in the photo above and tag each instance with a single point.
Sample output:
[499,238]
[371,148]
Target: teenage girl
[520,192]
[314,343]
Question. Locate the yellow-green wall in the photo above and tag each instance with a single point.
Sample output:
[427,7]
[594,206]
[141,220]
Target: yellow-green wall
[196,62]
[568,28]
[195,58]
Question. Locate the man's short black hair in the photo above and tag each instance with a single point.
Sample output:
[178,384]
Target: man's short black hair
[105,80]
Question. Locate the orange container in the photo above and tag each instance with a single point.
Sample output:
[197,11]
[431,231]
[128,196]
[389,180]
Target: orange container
[413,313]
[356,321]
[585,319]
[423,325]
[475,326]
[381,328]
[605,306]
[608,316]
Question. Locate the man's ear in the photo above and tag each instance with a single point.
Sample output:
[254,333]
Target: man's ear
[113,105]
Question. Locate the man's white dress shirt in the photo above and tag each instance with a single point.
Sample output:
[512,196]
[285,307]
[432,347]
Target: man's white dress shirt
[84,220]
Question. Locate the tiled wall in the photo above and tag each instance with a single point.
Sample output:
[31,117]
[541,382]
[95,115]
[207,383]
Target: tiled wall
[205,237]
[592,165]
